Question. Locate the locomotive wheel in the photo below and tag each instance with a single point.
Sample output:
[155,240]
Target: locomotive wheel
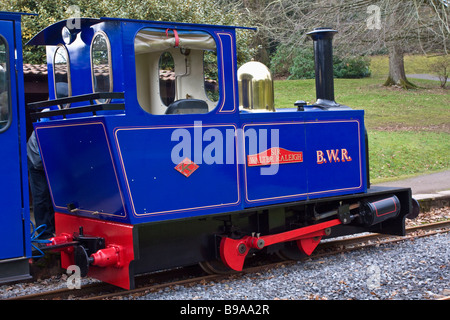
[215,267]
[290,251]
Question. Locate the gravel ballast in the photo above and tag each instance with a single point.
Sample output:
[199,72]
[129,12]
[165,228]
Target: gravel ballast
[409,270]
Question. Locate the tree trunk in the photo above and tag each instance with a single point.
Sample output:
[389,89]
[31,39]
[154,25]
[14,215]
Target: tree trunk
[397,74]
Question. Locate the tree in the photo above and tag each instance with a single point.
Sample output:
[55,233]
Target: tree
[413,26]
[399,21]
[395,26]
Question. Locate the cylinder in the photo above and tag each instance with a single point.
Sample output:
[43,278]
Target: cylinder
[377,211]
[323,61]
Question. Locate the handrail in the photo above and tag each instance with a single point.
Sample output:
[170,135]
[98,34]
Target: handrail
[74,110]
[80,98]
[91,108]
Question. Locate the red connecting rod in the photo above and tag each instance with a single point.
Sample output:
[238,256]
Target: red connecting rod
[234,251]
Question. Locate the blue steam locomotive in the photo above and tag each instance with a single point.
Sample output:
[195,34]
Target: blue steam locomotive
[159,152]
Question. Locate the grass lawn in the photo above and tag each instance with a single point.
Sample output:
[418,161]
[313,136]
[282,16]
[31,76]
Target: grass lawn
[386,108]
[414,64]
[409,130]
[401,154]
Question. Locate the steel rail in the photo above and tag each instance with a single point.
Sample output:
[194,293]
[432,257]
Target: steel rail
[341,245]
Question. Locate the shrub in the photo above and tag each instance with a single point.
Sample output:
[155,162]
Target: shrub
[351,67]
[441,67]
[281,61]
[300,65]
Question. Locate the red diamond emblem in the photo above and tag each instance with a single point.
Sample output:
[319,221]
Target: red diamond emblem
[186,167]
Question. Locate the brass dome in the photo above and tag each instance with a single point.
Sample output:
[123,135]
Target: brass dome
[255,87]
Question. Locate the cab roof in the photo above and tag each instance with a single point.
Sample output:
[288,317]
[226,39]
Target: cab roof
[52,35]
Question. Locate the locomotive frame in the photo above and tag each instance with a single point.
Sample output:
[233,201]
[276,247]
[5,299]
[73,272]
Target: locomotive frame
[147,175]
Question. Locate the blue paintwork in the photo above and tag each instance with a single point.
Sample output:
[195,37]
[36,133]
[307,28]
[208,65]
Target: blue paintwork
[117,165]
[14,214]
[309,132]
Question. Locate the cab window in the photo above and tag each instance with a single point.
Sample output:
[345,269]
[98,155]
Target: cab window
[5,104]
[101,64]
[61,73]
[167,78]
[210,70]
[176,71]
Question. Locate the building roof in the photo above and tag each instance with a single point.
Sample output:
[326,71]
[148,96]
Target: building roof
[41,69]
[37,69]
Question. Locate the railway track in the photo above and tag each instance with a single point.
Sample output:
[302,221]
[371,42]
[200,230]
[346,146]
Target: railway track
[193,275]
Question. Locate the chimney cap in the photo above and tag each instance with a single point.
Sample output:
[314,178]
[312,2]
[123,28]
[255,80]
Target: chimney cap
[320,33]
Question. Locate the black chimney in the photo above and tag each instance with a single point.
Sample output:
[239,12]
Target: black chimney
[323,60]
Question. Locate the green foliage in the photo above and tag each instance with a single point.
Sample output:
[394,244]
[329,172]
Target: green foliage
[193,11]
[351,67]
[300,64]
[281,61]
[49,12]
